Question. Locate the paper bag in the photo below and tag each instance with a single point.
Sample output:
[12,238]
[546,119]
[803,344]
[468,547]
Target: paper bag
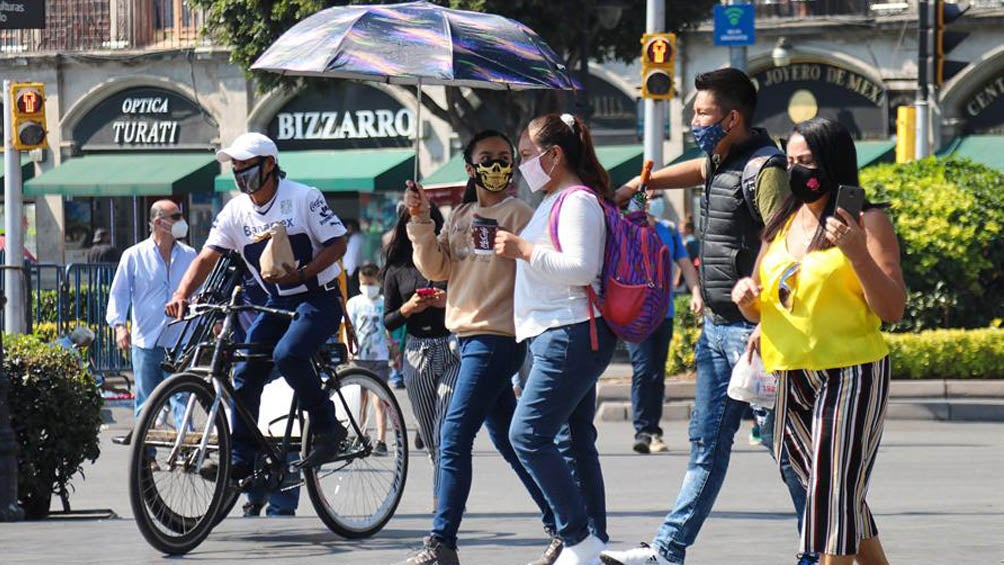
[277,253]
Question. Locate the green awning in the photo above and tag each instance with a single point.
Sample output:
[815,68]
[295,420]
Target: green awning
[875,152]
[349,170]
[27,167]
[128,174]
[622,162]
[985,149]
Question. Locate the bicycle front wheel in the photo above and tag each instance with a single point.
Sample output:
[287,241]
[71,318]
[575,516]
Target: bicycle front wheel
[179,464]
[356,495]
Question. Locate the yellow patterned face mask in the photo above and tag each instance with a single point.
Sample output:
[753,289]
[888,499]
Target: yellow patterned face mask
[493,175]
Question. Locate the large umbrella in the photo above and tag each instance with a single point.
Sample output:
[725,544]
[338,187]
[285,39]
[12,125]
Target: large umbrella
[417,43]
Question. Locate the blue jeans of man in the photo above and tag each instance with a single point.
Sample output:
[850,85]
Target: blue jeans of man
[292,344]
[147,374]
[765,419]
[482,395]
[713,425]
[648,378]
[561,388]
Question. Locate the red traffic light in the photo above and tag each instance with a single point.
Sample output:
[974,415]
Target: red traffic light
[29,101]
[659,51]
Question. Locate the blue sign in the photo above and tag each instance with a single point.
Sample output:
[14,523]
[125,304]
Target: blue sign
[734,25]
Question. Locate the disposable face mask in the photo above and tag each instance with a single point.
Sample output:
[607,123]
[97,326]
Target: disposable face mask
[179,229]
[534,174]
[708,137]
[249,179]
[493,175]
[657,207]
[370,290]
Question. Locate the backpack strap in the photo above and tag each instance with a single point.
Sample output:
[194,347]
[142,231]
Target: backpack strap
[552,228]
[766,156]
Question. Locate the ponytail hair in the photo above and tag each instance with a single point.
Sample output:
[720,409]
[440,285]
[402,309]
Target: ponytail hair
[572,135]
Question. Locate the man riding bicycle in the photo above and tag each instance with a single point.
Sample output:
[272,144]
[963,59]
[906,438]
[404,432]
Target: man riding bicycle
[309,287]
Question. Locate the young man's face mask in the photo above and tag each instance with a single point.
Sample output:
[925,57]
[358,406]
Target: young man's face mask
[250,179]
[493,175]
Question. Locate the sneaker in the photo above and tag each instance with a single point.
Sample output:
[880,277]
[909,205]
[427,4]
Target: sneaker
[808,559]
[251,510]
[657,445]
[642,442]
[433,552]
[419,444]
[550,554]
[327,445]
[586,552]
[380,449]
[755,435]
[641,555]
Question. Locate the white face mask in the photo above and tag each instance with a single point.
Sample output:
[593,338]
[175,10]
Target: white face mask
[370,290]
[534,174]
[179,229]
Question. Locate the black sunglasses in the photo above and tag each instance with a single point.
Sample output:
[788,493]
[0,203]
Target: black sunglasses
[175,216]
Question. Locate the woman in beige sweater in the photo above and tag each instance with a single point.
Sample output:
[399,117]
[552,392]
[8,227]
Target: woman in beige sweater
[479,311]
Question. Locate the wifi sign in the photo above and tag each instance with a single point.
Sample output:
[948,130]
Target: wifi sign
[734,25]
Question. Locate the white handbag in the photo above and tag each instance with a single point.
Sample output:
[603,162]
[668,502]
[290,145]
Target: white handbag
[751,383]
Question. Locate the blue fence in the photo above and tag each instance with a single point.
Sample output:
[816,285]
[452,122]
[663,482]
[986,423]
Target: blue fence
[72,295]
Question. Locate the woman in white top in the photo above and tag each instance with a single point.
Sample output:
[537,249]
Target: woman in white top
[552,310]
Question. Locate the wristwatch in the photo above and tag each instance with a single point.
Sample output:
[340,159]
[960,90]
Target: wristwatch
[303,276]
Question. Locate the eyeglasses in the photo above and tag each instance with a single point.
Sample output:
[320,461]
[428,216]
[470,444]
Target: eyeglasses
[786,288]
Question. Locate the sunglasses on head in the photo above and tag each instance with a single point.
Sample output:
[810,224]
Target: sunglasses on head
[786,288]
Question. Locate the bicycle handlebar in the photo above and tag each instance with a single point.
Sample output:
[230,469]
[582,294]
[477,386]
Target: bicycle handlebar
[200,309]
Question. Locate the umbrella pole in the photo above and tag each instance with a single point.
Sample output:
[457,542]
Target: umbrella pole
[418,126]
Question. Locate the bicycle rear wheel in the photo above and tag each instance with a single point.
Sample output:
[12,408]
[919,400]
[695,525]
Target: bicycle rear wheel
[356,496]
[176,488]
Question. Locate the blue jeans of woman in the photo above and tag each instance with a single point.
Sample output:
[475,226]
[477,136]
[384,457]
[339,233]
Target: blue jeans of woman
[292,343]
[482,394]
[562,388]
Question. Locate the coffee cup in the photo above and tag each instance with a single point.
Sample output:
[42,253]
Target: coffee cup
[483,230]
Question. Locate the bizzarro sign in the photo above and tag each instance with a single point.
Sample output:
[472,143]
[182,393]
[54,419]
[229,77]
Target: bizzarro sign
[22,14]
[145,118]
[344,115]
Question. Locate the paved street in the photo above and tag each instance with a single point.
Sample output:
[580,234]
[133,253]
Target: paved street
[938,496]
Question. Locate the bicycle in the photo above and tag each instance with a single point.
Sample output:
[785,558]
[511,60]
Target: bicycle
[179,485]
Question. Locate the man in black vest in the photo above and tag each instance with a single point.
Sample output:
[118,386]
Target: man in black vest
[732,219]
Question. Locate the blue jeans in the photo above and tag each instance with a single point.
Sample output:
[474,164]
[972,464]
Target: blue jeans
[292,343]
[561,388]
[482,395]
[765,419]
[147,374]
[648,380]
[713,425]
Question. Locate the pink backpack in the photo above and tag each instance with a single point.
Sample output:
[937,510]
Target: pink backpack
[636,278]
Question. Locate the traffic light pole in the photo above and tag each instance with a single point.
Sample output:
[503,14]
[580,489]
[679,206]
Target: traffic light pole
[923,77]
[14,321]
[737,53]
[655,110]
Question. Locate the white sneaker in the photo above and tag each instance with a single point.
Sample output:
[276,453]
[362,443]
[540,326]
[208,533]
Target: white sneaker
[586,552]
[642,555]
[657,445]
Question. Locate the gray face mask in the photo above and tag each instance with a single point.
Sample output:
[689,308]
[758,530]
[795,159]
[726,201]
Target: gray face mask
[250,179]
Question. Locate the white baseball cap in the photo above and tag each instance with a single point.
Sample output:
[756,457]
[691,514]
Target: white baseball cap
[247,146]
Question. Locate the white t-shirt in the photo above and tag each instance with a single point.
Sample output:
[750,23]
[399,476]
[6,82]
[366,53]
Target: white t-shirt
[367,319]
[551,288]
[310,223]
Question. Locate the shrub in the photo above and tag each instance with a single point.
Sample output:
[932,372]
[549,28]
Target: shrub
[56,416]
[686,329]
[949,216]
[948,354]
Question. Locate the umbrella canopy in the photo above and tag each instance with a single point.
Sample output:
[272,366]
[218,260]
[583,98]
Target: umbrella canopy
[417,43]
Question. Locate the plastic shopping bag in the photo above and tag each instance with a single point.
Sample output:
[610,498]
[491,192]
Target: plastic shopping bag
[277,253]
[751,383]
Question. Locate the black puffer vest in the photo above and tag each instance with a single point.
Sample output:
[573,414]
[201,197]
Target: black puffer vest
[731,239]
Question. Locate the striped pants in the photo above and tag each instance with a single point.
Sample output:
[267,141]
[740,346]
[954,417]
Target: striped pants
[831,423]
[430,374]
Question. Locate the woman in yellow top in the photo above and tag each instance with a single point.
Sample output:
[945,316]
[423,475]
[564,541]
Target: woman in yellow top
[824,283]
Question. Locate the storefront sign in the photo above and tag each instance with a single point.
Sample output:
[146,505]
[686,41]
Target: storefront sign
[22,14]
[344,115]
[794,93]
[145,118]
[983,110]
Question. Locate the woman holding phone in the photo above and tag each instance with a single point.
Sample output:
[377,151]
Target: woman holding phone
[824,282]
[430,360]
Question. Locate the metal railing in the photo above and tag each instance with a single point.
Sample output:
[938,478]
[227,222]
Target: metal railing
[89,25]
[823,8]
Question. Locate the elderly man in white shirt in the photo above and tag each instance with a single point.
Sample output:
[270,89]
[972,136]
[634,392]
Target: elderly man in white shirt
[148,274]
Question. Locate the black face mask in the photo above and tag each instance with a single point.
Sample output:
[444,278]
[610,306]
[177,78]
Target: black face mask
[807,185]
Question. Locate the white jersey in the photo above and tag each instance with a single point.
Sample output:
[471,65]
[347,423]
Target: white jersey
[310,223]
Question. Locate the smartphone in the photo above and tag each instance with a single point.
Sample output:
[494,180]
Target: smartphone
[851,198]
[425,291]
